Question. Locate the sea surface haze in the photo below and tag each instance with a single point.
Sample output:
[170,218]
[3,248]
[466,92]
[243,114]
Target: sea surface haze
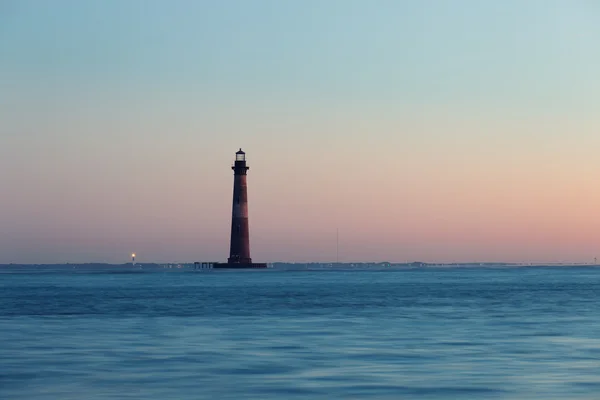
[348,333]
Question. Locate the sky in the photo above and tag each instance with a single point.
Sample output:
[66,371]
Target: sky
[438,131]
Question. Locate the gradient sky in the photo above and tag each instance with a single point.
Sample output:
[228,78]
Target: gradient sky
[422,130]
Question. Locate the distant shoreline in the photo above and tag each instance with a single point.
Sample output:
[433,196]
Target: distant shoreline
[332,265]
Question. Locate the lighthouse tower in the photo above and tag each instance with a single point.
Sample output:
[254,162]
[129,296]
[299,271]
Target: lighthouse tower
[239,251]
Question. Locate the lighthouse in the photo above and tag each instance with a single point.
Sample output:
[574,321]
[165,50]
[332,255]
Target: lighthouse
[239,248]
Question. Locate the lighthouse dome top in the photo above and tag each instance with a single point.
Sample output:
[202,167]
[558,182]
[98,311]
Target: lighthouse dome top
[240,155]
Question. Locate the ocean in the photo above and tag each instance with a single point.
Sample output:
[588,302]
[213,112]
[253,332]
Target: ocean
[286,333]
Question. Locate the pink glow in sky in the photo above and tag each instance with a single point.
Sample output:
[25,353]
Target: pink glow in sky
[467,132]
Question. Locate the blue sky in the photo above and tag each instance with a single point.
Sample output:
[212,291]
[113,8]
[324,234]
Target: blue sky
[436,51]
[118,121]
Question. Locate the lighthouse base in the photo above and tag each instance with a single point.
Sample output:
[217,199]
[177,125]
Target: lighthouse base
[239,265]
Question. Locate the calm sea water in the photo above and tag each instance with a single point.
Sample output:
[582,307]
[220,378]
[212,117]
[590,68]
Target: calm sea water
[429,333]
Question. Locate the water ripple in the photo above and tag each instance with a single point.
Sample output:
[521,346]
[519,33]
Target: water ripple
[443,334]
